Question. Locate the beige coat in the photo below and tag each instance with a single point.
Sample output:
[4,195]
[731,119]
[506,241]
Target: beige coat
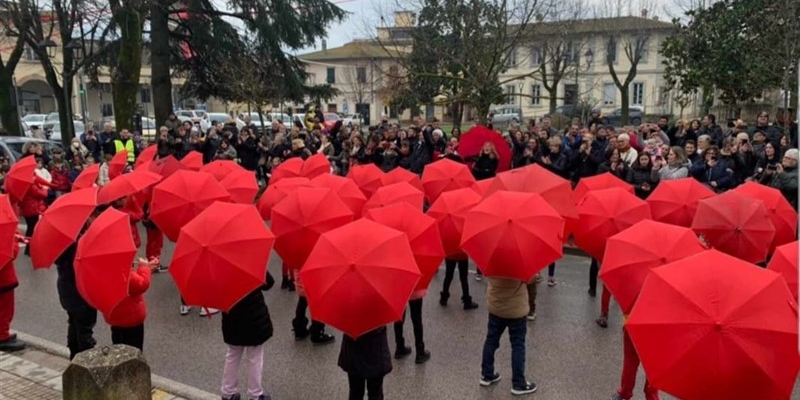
[507,298]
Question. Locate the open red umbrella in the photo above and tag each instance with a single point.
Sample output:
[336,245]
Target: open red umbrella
[675,201]
[166,166]
[398,175]
[396,193]
[60,224]
[104,260]
[117,164]
[147,155]
[631,254]
[784,262]
[360,277]
[87,177]
[449,210]
[316,165]
[713,327]
[735,224]
[8,231]
[598,182]
[482,186]
[275,192]
[301,217]
[422,233]
[346,189]
[242,186]
[221,255]
[219,169]
[126,185]
[368,178]
[781,213]
[20,178]
[193,160]
[604,213]
[291,168]
[181,197]
[472,142]
[445,175]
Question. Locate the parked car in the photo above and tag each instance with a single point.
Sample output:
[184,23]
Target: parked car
[11,146]
[635,116]
[55,134]
[255,119]
[35,119]
[194,115]
[574,111]
[149,127]
[217,117]
[353,119]
[330,120]
[504,116]
[50,120]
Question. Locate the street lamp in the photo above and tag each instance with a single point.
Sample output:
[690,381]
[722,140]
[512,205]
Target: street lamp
[49,45]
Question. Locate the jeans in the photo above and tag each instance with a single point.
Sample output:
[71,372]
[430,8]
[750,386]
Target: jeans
[132,336]
[415,306]
[255,366]
[594,269]
[80,330]
[517,329]
[373,386]
[551,270]
[449,271]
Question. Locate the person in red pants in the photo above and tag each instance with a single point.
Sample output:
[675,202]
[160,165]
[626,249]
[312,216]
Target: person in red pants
[605,301]
[8,282]
[155,241]
[630,366]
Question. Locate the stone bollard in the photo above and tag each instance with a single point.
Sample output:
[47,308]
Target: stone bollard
[118,372]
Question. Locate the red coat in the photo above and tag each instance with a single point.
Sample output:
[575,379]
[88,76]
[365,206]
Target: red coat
[33,202]
[8,274]
[60,178]
[134,211]
[132,311]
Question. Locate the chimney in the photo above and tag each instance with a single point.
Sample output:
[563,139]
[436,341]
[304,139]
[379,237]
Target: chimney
[324,45]
[644,13]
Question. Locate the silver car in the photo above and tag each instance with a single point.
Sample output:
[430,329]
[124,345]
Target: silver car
[505,116]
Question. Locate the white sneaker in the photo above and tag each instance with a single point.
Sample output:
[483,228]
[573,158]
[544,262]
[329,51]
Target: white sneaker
[185,310]
[478,276]
[532,317]
[204,312]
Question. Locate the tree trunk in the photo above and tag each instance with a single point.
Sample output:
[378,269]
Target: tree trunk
[457,111]
[65,114]
[624,93]
[125,77]
[553,93]
[9,113]
[161,84]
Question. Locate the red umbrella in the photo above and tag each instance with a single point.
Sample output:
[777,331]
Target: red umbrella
[396,193]
[242,186]
[193,160]
[209,265]
[219,169]
[513,235]
[449,210]
[117,164]
[445,175]
[181,197]
[316,165]
[346,189]
[604,213]
[422,233]
[275,192]
[781,213]
[482,186]
[714,327]
[675,201]
[360,277]
[398,175]
[126,185]
[103,260]
[368,178]
[472,142]
[291,168]
[735,224]
[166,166]
[60,225]
[20,178]
[299,219]
[631,254]
[784,262]
[87,177]
[147,155]
[598,182]
[8,231]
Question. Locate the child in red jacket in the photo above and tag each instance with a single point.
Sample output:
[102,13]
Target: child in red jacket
[8,282]
[127,319]
[129,206]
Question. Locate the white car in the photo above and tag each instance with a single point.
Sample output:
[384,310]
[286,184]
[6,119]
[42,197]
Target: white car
[353,119]
[35,120]
[56,132]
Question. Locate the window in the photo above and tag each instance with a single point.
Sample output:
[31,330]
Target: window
[536,95]
[30,54]
[609,94]
[511,59]
[107,109]
[638,94]
[332,108]
[643,51]
[573,53]
[570,94]
[611,50]
[511,92]
[361,75]
[536,57]
[105,88]
[331,78]
[144,93]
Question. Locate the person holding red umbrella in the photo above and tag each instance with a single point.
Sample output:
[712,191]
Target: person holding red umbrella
[367,361]
[486,162]
[82,316]
[32,206]
[127,319]
[8,282]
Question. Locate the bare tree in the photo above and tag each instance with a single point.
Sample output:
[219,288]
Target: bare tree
[360,80]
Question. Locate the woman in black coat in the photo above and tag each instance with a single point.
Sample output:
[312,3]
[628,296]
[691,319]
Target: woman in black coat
[366,360]
[486,163]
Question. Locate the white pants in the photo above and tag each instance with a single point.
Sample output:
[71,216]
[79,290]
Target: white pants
[255,366]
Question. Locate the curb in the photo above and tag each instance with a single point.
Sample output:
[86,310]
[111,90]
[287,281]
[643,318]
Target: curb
[167,385]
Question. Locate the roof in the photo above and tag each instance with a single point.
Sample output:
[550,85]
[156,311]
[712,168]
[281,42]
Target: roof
[354,49]
[599,25]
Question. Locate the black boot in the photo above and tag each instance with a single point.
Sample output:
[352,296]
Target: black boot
[291,285]
[468,304]
[285,282]
[300,330]
[422,355]
[444,297]
[402,352]
[318,335]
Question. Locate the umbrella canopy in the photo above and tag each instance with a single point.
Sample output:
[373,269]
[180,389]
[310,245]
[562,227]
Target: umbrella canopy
[193,160]
[675,201]
[735,224]
[368,178]
[360,277]
[713,327]
[117,164]
[219,169]
[275,192]
[181,197]
[147,155]
[126,185]
[20,178]
[598,182]
[291,168]
[346,189]
[472,142]
[784,262]
[8,231]
[165,166]
[482,186]
[209,266]
[87,177]
[242,186]
[60,224]
[604,213]
[316,165]
[396,193]
[449,210]
[422,233]
[103,260]
[398,175]
[781,213]
[631,254]
[445,175]
[301,217]
[513,235]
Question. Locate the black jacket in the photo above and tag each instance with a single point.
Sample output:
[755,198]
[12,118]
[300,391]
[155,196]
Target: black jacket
[421,151]
[247,151]
[368,356]
[248,322]
[485,167]
[68,295]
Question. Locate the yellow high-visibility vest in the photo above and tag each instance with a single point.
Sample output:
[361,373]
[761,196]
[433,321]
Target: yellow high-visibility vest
[127,146]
